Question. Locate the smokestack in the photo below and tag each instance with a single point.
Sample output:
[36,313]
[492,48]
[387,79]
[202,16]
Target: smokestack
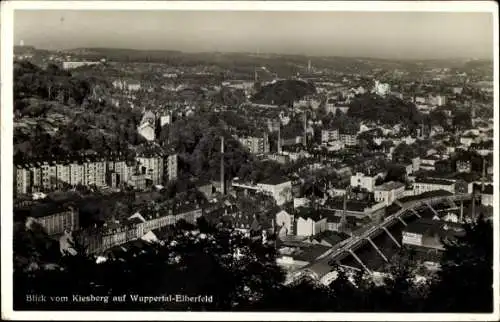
[344,210]
[484,174]
[473,210]
[305,129]
[222,177]
[461,211]
[279,138]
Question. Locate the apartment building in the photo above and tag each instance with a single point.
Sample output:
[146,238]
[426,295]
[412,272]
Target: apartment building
[152,167]
[429,184]
[22,180]
[349,139]
[365,181]
[256,145]
[328,136]
[171,166]
[56,220]
[389,192]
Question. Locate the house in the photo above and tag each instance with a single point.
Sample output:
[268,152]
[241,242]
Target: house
[381,89]
[284,223]
[365,181]
[147,127]
[487,196]
[430,184]
[300,202]
[429,162]
[467,140]
[310,222]
[278,188]
[357,209]
[416,164]
[464,166]
[388,192]
[428,233]
[297,255]
[327,238]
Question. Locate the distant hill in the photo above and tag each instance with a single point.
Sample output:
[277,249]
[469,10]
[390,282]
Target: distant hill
[389,110]
[283,92]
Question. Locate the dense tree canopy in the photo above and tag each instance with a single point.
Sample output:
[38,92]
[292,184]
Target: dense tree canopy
[389,110]
[283,92]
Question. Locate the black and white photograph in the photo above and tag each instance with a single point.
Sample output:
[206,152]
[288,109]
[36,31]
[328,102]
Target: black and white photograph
[250,158]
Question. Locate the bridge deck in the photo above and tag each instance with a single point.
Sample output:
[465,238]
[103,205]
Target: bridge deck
[341,250]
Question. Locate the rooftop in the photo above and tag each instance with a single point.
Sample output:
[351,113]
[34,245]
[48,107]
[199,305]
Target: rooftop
[391,185]
[351,205]
[274,180]
[434,181]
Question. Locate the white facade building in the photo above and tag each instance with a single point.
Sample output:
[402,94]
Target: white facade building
[388,192]
[425,185]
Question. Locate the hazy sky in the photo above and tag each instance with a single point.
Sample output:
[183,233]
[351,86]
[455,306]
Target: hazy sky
[366,34]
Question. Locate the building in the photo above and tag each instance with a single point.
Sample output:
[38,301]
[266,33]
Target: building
[49,175]
[278,188]
[329,135]
[284,223]
[429,162]
[22,180]
[171,166]
[165,119]
[75,64]
[310,223]
[125,85]
[365,181]
[389,192]
[415,164]
[381,89]
[464,166]
[438,100]
[256,145]
[94,173]
[152,167]
[428,233]
[138,181]
[487,196]
[467,140]
[55,219]
[349,139]
[147,127]
[63,174]
[76,174]
[429,184]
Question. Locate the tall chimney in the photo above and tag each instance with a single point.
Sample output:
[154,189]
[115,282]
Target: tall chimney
[473,210]
[222,177]
[279,138]
[461,211]
[305,129]
[484,174]
[343,220]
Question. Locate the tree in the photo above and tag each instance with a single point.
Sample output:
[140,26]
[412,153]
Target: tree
[466,268]
[462,120]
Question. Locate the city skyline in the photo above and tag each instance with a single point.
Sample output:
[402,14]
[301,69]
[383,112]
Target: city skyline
[390,35]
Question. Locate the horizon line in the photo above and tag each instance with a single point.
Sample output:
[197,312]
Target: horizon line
[260,53]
